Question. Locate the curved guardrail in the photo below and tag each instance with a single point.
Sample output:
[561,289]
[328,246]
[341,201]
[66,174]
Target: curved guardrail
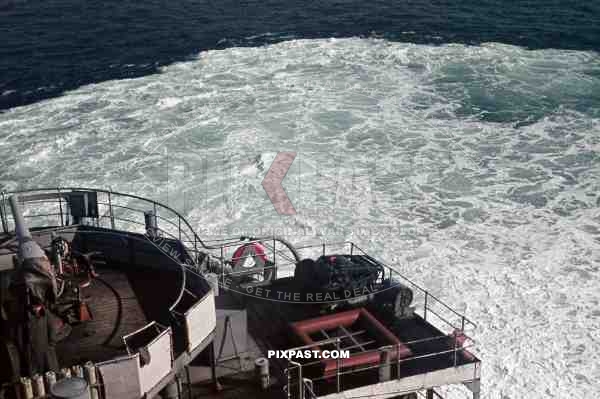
[126,212]
[116,210]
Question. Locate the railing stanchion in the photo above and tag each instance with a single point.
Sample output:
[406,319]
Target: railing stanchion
[323,249]
[222,267]
[289,383]
[337,366]
[462,324]
[425,306]
[398,360]
[274,260]
[155,214]
[3,214]
[300,380]
[110,211]
[351,248]
[455,347]
[62,223]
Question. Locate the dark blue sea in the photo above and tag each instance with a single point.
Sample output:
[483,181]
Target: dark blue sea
[48,47]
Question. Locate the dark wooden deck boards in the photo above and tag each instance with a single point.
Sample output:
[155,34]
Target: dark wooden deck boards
[116,311]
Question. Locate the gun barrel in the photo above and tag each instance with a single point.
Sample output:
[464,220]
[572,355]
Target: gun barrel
[28,248]
[20,226]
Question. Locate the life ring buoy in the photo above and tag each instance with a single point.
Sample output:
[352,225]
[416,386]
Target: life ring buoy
[258,253]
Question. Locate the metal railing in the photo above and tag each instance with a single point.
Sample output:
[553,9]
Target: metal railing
[434,394]
[427,305]
[297,372]
[119,211]
[47,208]
[431,309]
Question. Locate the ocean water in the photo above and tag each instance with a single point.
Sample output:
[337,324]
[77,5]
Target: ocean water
[469,164]
[52,46]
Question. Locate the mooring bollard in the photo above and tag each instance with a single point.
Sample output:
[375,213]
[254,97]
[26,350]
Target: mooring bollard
[261,365]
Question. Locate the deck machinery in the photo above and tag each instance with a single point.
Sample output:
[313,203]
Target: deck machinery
[121,291]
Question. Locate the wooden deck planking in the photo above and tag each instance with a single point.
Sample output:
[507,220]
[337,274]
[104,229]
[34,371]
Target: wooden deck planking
[116,311]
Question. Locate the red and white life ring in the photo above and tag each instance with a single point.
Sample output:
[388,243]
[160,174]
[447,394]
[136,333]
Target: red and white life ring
[258,253]
[254,250]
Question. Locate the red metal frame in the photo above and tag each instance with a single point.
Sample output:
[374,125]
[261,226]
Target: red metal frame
[378,331]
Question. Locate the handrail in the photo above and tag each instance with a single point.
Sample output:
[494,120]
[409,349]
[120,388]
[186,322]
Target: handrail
[435,394]
[423,290]
[185,233]
[394,273]
[354,370]
[53,196]
[62,190]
